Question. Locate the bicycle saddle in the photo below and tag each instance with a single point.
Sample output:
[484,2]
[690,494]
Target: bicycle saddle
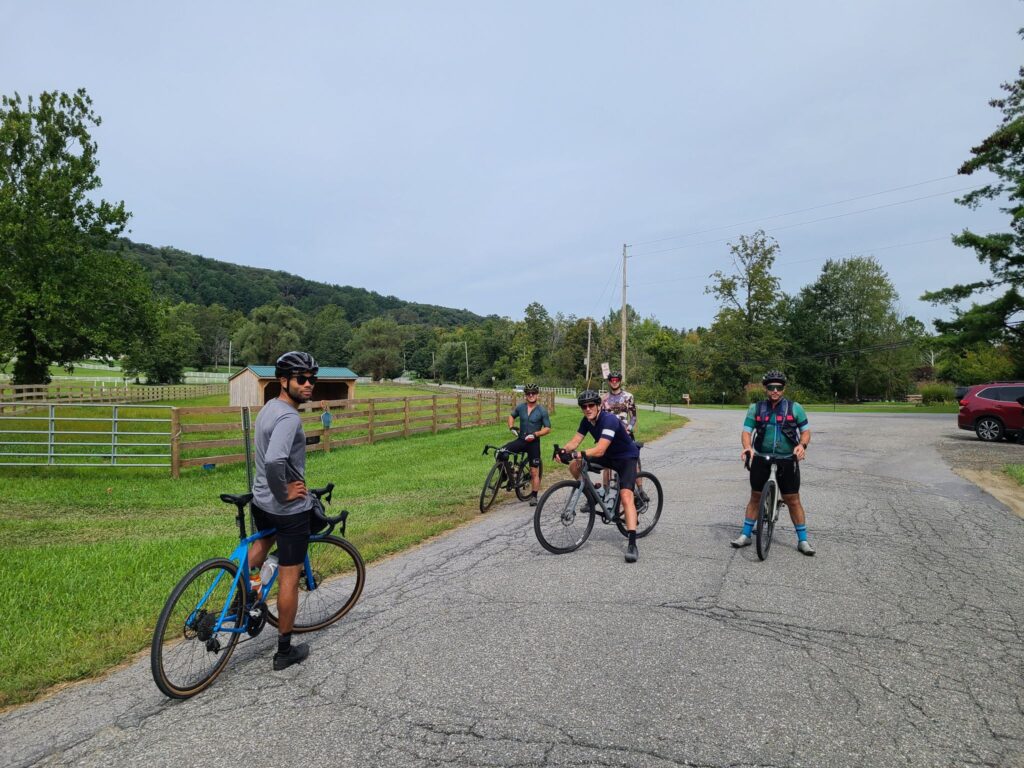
[239,501]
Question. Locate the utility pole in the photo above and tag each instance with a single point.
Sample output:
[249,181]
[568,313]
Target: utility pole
[229,357]
[466,346]
[623,342]
[590,325]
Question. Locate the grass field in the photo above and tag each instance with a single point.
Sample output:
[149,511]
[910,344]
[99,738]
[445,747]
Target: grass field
[1016,471]
[90,555]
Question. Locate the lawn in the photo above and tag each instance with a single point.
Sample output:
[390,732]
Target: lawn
[90,554]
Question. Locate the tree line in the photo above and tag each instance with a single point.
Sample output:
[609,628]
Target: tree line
[72,287]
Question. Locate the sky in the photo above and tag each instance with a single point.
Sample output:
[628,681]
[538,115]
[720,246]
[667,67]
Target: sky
[485,155]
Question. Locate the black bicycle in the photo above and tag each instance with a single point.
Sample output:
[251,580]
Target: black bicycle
[510,471]
[565,513]
[768,509]
[215,603]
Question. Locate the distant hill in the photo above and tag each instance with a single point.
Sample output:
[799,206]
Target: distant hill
[181,276]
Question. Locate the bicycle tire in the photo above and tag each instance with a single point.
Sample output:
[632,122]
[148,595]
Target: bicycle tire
[765,526]
[648,511]
[560,526]
[495,479]
[185,655]
[338,576]
[523,481]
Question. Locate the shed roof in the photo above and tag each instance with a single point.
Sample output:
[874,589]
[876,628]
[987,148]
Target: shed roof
[267,372]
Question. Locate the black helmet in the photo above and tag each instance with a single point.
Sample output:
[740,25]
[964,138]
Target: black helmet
[588,396]
[531,389]
[615,375]
[778,377]
[291,363]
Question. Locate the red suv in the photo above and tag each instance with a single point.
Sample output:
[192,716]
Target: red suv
[993,410]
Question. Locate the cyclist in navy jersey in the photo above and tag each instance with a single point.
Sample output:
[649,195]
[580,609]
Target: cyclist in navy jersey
[615,449]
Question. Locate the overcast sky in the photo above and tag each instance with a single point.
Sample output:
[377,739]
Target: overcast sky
[483,155]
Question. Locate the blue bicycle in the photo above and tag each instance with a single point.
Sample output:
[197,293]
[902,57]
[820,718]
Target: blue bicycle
[213,606]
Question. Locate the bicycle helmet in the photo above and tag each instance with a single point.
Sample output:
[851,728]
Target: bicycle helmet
[777,377]
[615,375]
[588,396]
[291,363]
[531,389]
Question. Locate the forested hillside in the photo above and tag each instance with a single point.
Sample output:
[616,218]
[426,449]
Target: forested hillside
[179,276]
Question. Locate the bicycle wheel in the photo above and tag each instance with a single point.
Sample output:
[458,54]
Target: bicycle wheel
[495,479]
[564,518]
[188,652]
[523,481]
[765,526]
[330,583]
[649,500]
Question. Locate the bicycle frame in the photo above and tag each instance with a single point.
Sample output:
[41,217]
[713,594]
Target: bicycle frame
[586,487]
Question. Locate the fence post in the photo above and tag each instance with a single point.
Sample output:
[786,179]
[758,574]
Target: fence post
[370,422]
[175,443]
[405,428]
[433,416]
[458,411]
[479,409]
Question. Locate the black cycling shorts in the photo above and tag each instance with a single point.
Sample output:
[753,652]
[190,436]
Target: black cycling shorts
[788,474]
[292,534]
[530,447]
[626,469]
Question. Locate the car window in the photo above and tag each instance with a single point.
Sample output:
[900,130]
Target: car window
[1010,394]
[991,393]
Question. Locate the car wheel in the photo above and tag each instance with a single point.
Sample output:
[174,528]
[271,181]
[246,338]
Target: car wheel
[989,429]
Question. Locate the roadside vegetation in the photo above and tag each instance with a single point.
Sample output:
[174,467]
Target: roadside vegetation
[90,555]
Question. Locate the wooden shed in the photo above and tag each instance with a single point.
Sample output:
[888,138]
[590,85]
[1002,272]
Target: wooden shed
[255,385]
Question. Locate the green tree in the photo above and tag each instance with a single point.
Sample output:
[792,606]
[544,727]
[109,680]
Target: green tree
[746,334]
[843,323]
[997,321]
[982,363]
[164,356]
[327,336]
[377,348]
[62,296]
[270,331]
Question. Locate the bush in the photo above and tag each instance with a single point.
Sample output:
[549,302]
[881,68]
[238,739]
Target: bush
[937,393]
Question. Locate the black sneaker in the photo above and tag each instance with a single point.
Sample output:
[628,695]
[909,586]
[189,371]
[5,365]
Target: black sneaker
[632,555]
[533,499]
[294,655]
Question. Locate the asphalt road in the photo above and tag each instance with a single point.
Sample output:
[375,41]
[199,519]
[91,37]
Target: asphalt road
[900,644]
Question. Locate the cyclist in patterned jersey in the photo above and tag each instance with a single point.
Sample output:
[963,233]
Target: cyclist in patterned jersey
[620,404]
[775,427]
[615,449]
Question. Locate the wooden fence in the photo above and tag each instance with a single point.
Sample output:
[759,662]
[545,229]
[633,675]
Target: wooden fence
[204,436]
[64,392]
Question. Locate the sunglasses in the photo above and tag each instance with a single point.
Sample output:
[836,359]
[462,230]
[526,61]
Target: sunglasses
[302,378]
[775,387]
[585,406]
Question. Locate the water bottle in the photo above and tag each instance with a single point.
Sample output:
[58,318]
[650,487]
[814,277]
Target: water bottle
[269,569]
[255,580]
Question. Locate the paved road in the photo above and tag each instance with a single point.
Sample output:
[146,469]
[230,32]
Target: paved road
[898,645]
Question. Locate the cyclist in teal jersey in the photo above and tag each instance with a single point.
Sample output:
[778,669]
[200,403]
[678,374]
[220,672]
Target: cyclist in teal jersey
[776,428]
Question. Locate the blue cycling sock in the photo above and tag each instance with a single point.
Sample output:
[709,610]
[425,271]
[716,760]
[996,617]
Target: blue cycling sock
[801,532]
[748,526]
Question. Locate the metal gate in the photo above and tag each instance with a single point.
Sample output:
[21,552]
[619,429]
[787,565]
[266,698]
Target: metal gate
[85,435]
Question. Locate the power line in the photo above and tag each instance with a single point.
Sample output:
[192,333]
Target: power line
[805,261]
[792,213]
[813,221]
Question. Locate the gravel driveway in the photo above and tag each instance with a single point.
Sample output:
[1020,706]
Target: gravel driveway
[900,644]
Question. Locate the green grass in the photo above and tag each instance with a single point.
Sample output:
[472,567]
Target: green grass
[1016,471]
[90,555]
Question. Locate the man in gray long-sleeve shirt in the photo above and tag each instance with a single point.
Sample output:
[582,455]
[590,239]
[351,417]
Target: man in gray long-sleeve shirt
[280,497]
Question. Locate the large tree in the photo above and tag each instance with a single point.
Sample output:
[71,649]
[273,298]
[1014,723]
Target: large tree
[842,324]
[376,348]
[1000,319]
[62,296]
[746,335]
[270,331]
